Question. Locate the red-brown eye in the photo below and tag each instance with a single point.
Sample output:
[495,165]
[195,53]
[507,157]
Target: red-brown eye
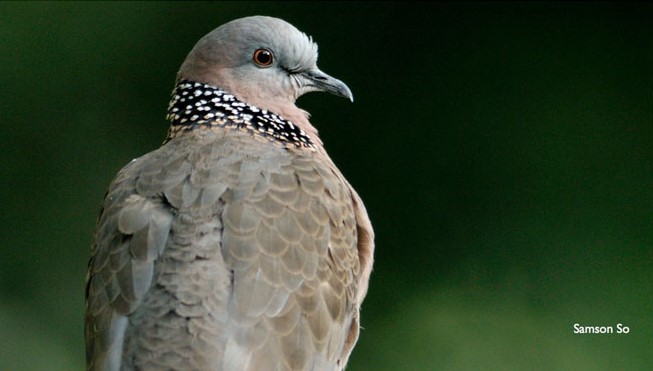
[263,57]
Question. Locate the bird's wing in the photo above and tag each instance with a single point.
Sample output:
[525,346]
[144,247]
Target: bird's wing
[289,240]
[132,230]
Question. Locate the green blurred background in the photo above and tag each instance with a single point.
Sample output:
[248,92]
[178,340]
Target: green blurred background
[504,151]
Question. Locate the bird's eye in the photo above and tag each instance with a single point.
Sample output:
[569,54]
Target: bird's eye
[263,57]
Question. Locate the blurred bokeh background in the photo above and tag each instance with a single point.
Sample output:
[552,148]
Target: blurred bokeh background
[504,151]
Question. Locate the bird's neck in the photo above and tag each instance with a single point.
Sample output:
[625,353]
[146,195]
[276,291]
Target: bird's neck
[201,106]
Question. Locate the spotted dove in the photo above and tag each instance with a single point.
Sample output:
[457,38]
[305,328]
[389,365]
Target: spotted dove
[237,245]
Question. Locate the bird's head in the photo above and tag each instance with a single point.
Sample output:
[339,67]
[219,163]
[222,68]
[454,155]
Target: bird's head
[263,61]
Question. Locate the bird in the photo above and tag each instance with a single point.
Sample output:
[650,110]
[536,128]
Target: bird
[237,244]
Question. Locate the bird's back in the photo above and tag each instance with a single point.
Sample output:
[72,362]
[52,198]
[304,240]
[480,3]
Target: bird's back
[259,265]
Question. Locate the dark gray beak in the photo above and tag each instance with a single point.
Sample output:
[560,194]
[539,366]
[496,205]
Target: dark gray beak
[317,80]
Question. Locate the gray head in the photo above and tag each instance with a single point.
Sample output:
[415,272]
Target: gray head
[263,61]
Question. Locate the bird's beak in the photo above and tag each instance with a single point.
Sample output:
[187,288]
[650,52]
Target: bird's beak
[316,80]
